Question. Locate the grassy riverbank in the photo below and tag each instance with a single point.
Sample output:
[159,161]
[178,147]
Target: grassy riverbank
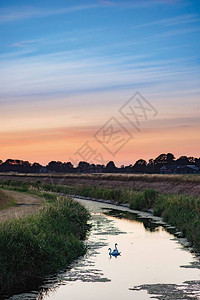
[43,243]
[178,210]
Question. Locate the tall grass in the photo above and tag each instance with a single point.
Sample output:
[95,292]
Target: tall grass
[41,244]
[183,212]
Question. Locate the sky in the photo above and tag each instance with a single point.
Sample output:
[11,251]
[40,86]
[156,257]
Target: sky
[99,80]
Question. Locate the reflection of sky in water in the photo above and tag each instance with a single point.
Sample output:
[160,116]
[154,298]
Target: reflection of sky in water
[149,255]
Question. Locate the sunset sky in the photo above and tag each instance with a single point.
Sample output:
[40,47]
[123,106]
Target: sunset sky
[68,68]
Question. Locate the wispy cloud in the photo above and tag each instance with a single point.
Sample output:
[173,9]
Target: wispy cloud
[183,19]
[109,3]
[14,14]
[26,43]
[64,73]
[14,54]
[42,42]
[11,14]
[175,32]
[72,36]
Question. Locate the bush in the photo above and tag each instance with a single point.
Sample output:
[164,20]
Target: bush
[43,243]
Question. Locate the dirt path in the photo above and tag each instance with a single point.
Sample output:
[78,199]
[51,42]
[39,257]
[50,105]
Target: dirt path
[25,205]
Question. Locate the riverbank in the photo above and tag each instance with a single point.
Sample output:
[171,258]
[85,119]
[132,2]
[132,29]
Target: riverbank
[41,244]
[181,211]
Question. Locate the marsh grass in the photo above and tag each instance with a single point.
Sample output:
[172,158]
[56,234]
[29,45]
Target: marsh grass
[182,212]
[41,244]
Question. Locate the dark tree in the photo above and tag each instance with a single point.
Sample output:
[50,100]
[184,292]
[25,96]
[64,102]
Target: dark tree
[68,167]
[36,167]
[191,160]
[110,167]
[16,165]
[84,167]
[151,162]
[99,168]
[183,160]
[161,159]
[140,166]
[55,166]
[170,158]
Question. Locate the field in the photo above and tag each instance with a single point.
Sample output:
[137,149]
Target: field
[173,184]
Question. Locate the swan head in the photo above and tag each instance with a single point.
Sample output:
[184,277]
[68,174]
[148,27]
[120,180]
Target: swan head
[109,249]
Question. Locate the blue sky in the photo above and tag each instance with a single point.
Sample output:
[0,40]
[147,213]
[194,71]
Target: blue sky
[66,62]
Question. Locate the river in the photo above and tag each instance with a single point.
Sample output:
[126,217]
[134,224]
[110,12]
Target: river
[153,262]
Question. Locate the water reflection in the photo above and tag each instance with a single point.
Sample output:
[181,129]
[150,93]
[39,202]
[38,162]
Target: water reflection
[148,224]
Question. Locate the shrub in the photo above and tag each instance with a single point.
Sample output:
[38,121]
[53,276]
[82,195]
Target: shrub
[43,243]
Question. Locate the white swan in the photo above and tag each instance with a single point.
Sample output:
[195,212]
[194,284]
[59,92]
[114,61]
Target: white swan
[115,252]
[110,253]
[116,247]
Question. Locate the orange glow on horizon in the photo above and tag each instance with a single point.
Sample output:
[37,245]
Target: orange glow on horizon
[60,144]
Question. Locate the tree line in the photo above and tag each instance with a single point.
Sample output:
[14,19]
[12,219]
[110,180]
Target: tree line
[140,166]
